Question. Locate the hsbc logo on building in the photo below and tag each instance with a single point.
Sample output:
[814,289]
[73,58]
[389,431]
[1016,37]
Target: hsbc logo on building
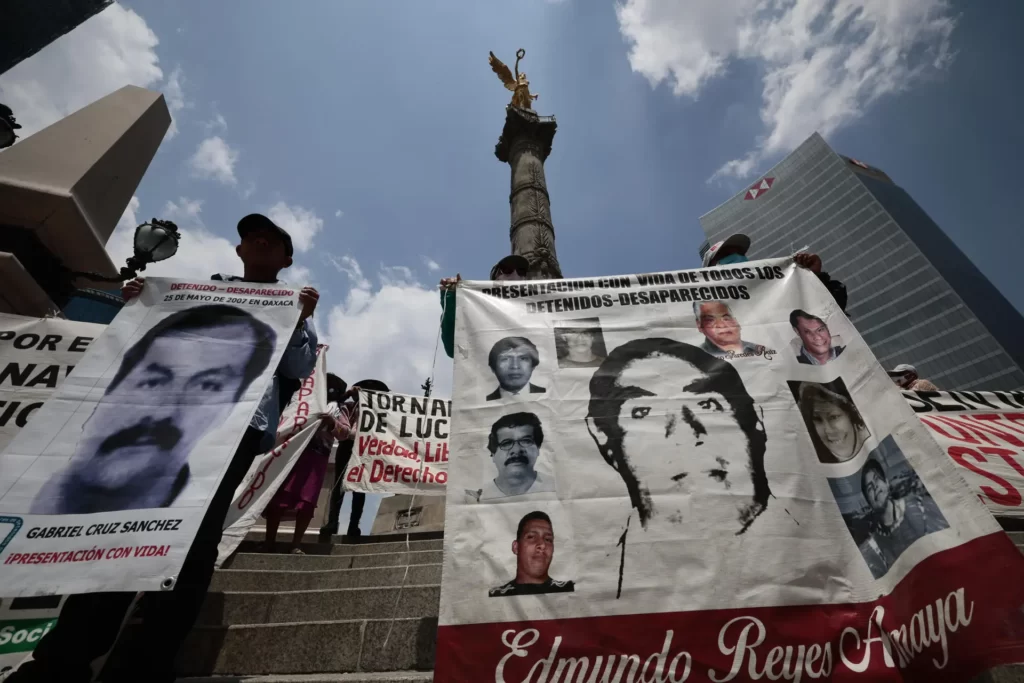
[759,188]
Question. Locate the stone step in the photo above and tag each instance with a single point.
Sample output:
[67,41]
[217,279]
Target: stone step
[313,548]
[388,677]
[270,581]
[224,609]
[322,562]
[1002,674]
[1017,537]
[329,647]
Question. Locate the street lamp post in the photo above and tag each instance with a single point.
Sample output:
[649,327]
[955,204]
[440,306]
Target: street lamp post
[154,241]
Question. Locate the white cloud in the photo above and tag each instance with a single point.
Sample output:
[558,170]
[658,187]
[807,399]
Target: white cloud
[218,124]
[823,63]
[215,159]
[175,96]
[388,331]
[200,253]
[431,264]
[337,214]
[112,49]
[302,224]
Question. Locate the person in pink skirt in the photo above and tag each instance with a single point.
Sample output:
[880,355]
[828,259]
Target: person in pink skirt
[296,499]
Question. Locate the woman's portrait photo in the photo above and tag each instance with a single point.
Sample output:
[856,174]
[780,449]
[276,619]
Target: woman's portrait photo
[580,343]
[837,429]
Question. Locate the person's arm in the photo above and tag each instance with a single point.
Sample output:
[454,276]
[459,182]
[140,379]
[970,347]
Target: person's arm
[448,322]
[345,424]
[300,356]
[836,288]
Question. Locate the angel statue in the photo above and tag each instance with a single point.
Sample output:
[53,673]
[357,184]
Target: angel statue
[520,87]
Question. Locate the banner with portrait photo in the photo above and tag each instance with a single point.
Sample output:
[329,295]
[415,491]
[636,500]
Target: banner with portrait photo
[36,354]
[983,432]
[299,422]
[105,488]
[703,475]
[401,445]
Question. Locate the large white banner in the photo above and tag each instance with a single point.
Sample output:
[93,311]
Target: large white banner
[105,488]
[36,354]
[703,476]
[401,445]
[983,432]
[298,425]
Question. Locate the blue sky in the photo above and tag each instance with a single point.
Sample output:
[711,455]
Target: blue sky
[368,129]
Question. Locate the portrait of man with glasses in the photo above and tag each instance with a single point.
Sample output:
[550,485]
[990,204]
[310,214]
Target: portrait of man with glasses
[514,443]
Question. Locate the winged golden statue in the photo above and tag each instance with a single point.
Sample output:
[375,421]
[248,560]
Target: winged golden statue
[520,87]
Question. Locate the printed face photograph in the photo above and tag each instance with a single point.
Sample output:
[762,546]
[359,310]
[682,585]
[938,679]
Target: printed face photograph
[579,343]
[834,423]
[886,507]
[815,341]
[722,332]
[533,549]
[513,360]
[514,445]
[680,429]
[173,386]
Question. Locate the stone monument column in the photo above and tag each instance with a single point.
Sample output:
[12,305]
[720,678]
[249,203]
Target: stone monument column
[524,145]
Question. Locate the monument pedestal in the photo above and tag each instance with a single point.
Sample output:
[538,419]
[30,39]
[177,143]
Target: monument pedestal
[524,145]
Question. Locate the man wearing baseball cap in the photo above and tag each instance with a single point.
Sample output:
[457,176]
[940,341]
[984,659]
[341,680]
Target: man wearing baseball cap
[904,376]
[512,267]
[733,249]
[89,624]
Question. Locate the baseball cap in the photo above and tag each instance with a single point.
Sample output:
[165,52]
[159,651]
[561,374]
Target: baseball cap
[371,385]
[741,242]
[510,262]
[902,369]
[257,221]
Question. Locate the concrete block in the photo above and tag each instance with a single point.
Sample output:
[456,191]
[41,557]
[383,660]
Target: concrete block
[320,605]
[358,677]
[270,581]
[325,562]
[412,644]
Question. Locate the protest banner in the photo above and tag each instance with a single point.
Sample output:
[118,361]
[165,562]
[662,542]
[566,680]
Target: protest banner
[401,445]
[686,477]
[36,354]
[298,425]
[983,432]
[105,488]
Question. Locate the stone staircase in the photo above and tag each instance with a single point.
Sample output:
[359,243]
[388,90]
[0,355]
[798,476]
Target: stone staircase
[356,611]
[324,617]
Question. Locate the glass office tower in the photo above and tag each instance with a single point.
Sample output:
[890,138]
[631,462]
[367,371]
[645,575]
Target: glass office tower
[914,296]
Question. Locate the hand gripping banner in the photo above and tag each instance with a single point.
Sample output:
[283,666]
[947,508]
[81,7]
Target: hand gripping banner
[703,476]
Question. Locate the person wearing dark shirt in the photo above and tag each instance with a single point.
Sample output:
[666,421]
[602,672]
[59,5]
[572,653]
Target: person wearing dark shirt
[534,548]
[512,267]
[734,250]
[89,624]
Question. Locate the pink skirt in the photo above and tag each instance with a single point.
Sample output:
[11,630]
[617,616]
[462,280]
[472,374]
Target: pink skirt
[301,489]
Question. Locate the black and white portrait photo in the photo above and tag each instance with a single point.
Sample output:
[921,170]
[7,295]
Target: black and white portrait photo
[836,427]
[174,384]
[579,343]
[886,507]
[722,331]
[816,342]
[514,445]
[680,429]
[533,548]
[513,360]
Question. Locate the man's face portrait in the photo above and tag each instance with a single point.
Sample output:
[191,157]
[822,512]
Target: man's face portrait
[512,360]
[876,489]
[516,455]
[717,323]
[174,385]
[814,335]
[534,550]
[686,439]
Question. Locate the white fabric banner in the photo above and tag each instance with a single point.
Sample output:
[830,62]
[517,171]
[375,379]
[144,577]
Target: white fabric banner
[36,354]
[705,476]
[983,432]
[299,423]
[401,445]
[105,488]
